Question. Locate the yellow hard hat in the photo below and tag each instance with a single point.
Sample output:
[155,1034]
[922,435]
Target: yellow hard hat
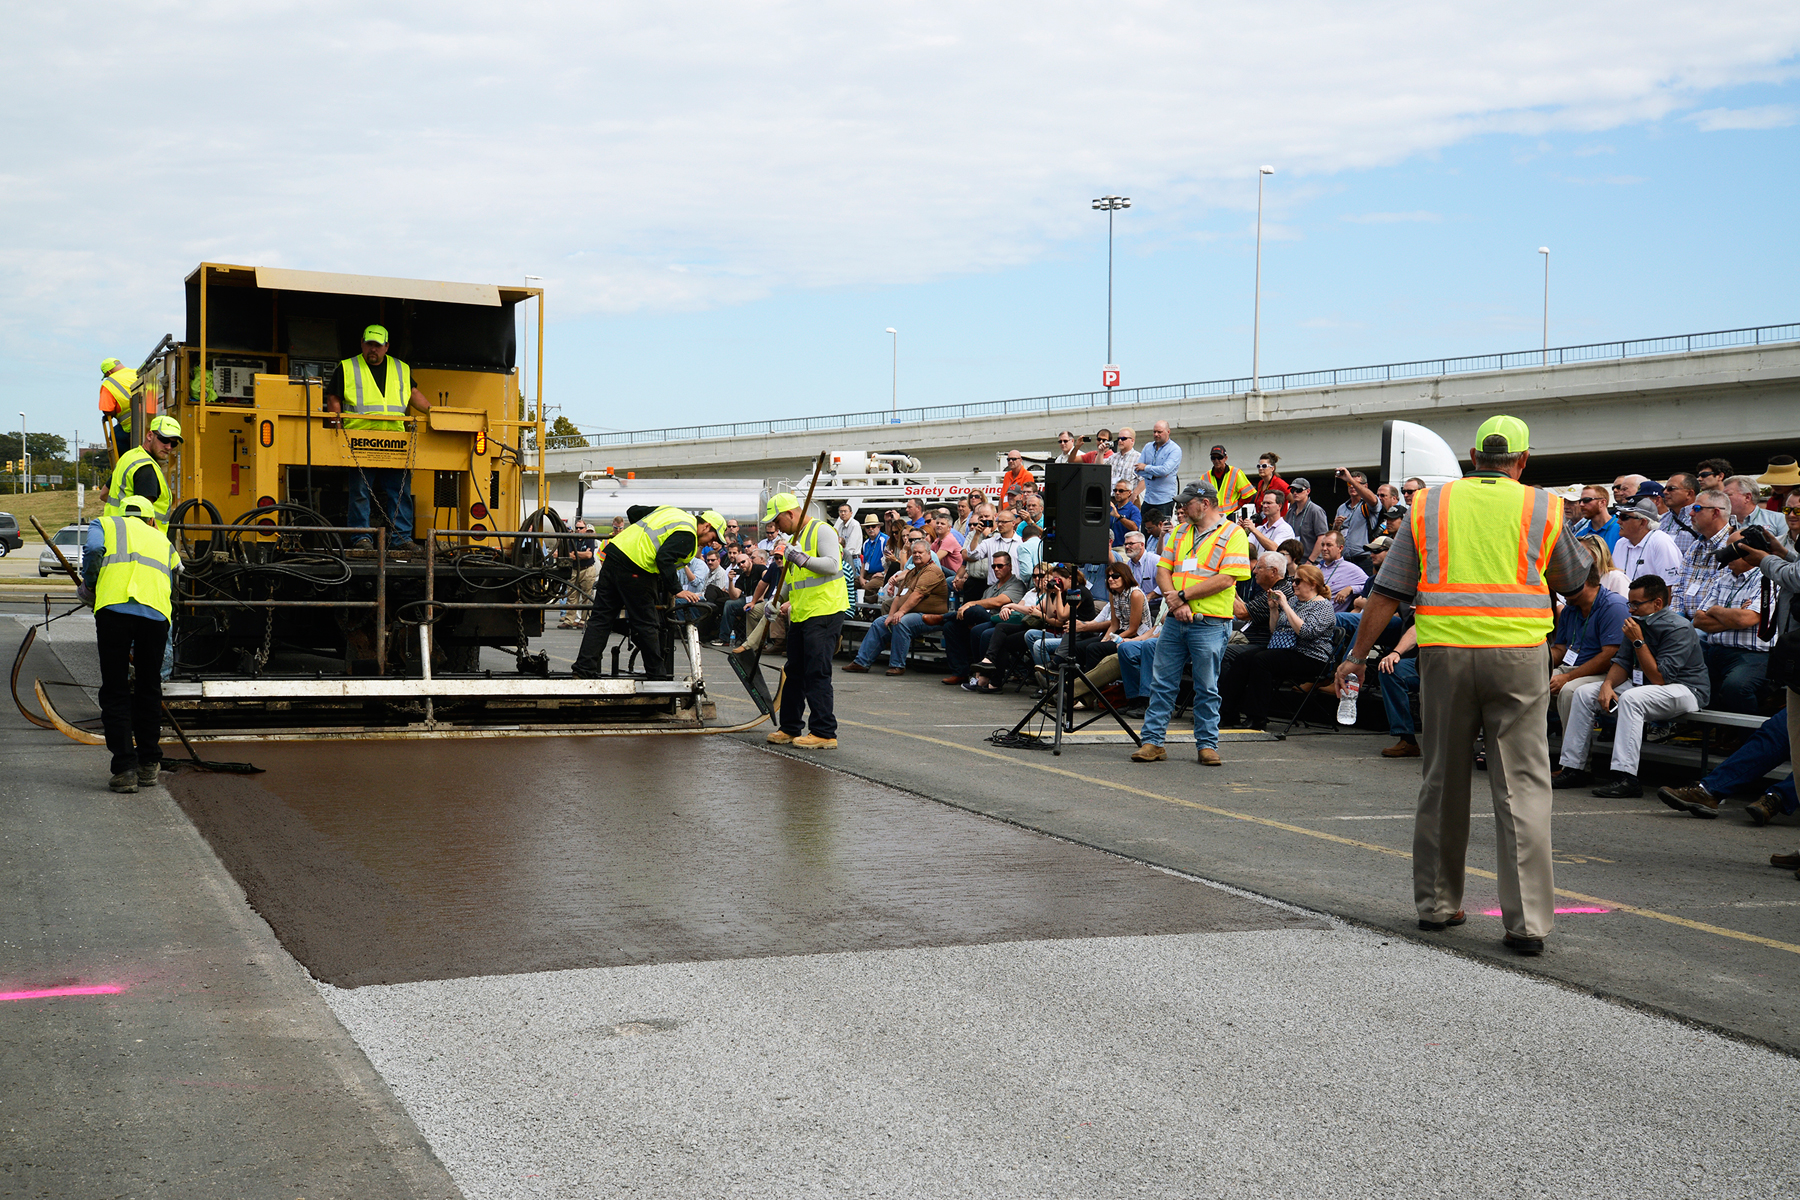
[716,520]
[781,502]
[109,365]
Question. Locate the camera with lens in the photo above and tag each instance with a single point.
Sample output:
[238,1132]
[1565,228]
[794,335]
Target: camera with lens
[1755,537]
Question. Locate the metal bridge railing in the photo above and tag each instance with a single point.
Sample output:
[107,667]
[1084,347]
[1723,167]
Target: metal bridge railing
[1687,343]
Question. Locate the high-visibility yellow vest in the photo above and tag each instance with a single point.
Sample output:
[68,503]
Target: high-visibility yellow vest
[128,465]
[641,540]
[139,565]
[117,388]
[1234,490]
[377,408]
[1483,545]
[811,594]
[1222,549]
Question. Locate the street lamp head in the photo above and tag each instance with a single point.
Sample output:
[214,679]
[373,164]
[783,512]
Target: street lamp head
[891,329]
[1112,203]
[1266,170]
[1543,249]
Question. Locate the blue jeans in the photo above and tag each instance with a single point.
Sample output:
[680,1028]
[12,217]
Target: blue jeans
[388,483]
[1743,771]
[1352,621]
[893,636]
[1736,673]
[731,617]
[1135,659]
[1395,698]
[1042,644]
[1199,645]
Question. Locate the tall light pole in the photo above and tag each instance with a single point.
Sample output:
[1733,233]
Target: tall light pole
[1545,251]
[1256,314]
[894,417]
[1110,205]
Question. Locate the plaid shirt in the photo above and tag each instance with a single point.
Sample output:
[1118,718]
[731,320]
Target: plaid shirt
[1673,523]
[1727,589]
[1697,568]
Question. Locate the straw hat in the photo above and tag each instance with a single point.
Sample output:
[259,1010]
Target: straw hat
[1782,472]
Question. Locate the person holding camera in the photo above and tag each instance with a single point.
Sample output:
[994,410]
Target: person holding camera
[1358,518]
[1068,446]
[1643,548]
[1272,529]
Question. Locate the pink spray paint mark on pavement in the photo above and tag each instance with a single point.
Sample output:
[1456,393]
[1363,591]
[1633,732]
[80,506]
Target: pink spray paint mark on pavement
[98,989]
[1494,912]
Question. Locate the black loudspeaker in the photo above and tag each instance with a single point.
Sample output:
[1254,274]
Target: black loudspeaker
[1078,513]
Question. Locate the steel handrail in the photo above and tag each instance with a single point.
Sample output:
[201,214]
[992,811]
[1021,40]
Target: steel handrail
[1555,356]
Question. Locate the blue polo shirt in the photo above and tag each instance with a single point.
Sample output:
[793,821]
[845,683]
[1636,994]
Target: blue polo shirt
[1129,512]
[1604,625]
[1608,532]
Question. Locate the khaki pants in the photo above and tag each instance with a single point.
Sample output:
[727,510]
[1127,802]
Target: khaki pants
[1502,692]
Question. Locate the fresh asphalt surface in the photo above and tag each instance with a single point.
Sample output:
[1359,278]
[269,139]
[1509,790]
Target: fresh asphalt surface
[1279,1057]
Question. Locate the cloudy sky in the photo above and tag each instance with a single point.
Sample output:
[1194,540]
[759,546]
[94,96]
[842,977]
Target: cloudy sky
[729,202]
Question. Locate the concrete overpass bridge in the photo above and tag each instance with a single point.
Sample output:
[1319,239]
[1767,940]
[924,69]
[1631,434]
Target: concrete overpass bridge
[1595,411]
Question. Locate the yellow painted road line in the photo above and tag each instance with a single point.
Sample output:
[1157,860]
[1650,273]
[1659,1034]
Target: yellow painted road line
[1635,910]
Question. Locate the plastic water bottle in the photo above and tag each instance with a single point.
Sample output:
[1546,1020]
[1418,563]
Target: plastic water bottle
[1347,701]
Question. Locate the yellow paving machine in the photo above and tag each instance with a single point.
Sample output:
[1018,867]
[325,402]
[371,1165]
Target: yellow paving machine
[284,626]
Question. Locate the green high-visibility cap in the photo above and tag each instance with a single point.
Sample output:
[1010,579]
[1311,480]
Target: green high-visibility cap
[1503,435]
[376,333]
[109,365]
[714,519]
[166,428]
[781,502]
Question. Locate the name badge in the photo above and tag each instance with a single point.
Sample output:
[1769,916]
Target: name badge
[1693,589]
[1569,657]
[1188,565]
[1637,679]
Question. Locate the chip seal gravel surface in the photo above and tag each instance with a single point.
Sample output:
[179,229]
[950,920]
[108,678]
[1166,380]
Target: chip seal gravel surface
[1328,1063]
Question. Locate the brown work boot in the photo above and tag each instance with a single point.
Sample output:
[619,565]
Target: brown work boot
[124,781]
[779,738]
[807,741]
[1696,800]
[1787,862]
[1402,749]
[1210,757]
[855,668]
[1149,752]
[1765,808]
[896,670]
[146,775]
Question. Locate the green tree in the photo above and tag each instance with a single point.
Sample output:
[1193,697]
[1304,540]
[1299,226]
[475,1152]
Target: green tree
[562,427]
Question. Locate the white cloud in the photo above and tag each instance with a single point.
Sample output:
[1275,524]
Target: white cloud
[1769,116]
[760,145]
[1391,218]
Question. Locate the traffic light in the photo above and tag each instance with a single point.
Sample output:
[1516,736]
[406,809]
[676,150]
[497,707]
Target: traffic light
[9,466]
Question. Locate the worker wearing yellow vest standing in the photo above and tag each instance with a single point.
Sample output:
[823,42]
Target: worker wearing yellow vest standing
[130,580]
[1202,562]
[1479,558]
[376,389]
[142,471]
[640,558]
[817,599]
[116,382]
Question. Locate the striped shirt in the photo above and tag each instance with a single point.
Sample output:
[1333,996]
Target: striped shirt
[1727,589]
[1697,567]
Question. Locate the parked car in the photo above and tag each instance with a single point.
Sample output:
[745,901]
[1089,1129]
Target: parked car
[10,538]
[68,539]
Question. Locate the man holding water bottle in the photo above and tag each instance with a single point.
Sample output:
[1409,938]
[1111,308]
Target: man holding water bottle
[1481,555]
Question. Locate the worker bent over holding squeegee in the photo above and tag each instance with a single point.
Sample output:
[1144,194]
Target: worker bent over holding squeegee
[645,553]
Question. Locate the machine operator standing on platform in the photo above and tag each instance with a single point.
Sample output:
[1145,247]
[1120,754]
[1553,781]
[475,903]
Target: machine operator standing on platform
[638,558]
[128,575]
[817,600]
[1481,554]
[377,389]
[116,382]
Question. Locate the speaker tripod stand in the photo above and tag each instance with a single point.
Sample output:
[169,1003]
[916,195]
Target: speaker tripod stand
[1059,700]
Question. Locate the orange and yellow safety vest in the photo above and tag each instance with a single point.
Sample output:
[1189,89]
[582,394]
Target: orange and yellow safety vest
[1484,543]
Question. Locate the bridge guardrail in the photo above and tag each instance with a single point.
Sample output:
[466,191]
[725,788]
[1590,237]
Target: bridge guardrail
[1686,343]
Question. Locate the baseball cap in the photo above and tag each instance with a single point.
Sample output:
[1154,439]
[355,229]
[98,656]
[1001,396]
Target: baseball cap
[137,506]
[1571,492]
[1503,435]
[109,365]
[1300,483]
[1643,508]
[1197,491]
[166,428]
[1377,545]
[1648,488]
[715,519]
[376,333]
[1218,452]
[781,502]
